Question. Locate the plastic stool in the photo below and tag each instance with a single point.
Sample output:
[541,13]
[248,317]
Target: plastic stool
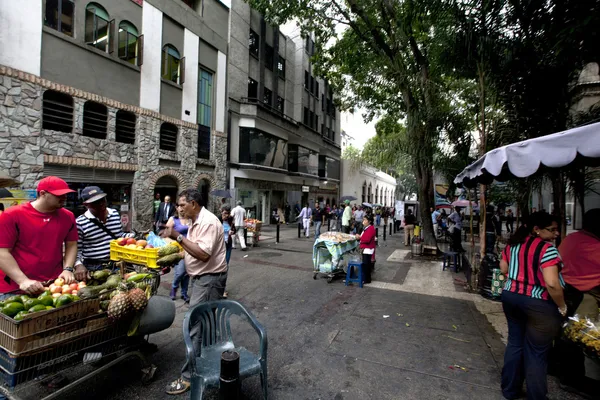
[354,277]
[450,260]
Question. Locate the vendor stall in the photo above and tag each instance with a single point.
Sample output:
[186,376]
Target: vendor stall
[253,227]
[84,322]
[329,251]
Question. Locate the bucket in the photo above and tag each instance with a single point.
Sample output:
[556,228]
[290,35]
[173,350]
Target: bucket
[158,315]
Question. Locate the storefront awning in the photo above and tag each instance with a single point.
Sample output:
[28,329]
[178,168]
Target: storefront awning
[523,159]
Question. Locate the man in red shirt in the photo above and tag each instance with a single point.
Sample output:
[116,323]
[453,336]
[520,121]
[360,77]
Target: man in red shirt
[32,237]
[580,254]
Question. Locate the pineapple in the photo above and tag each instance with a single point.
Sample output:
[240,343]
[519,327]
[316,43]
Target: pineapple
[120,306]
[138,299]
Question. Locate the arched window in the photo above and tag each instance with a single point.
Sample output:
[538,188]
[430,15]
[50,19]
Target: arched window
[171,64]
[168,137]
[98,27]
[377,194]
[364,192]
[370,194]
[125,127]
[128,42]
[57,111]
[95,120]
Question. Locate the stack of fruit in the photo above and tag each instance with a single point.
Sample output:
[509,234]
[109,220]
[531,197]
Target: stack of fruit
[20,306]
[169,255]
[131,243]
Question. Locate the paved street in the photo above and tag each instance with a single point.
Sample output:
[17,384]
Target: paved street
[390,340]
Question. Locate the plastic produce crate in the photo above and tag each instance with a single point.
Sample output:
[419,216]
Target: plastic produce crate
[47,328]
[147,257]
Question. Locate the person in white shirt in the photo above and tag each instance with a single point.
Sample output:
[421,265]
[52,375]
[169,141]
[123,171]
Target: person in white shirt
[305,216]
[239,214]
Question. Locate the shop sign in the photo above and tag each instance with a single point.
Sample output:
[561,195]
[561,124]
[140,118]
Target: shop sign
[305,189]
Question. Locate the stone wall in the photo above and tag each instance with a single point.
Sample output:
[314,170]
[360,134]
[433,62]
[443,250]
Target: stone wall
[25,147]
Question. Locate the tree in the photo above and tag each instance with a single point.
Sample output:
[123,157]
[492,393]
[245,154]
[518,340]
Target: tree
[381,62]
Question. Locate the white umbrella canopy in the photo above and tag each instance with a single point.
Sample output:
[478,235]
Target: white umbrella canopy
[523,159]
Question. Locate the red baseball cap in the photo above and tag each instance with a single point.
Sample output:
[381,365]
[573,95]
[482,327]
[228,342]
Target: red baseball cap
[54,185]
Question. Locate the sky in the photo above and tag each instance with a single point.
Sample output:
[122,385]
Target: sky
[355,126]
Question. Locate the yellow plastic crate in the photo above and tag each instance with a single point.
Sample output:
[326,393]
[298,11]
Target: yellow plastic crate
[147,257]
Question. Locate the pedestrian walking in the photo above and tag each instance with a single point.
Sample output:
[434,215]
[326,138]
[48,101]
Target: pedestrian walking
[306,216]
[318,216]
[165,211]
[181,224]
[205,263]
[533,303]
[510,220]
[367,245]
[346,217]
[229,231]
[409,227]
[239,214]
[287,210]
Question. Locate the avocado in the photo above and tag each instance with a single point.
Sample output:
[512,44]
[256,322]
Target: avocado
[30,303]
[46,300]
[12,309]
[13,299]
[63,300]
[20,315]
[36,308]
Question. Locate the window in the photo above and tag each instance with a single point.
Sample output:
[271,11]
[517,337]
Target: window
[269,57]
[305,117]
[59,15]
[57,111]
[312,84]
[252,89]
[316,89]
[95,120]
[306,80]
[316,123]
[125,127]
[172,65]
[311,118]
[280,104]
[281,67]
[128,42]
[309,46]
[364,192]
[205,100]
[253,43]
[98,27]
[268,96]
[370,194]
[260,148]
[168,137]
[303,160]
[203,142]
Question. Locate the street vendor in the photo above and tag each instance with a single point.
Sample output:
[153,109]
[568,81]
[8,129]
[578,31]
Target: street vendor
[32,236]
[581,273]
[96,228]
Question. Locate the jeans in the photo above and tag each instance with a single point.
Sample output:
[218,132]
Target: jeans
[181,277]
[204,288]
[317,229]
[227,254]
[532,326]
[378,220]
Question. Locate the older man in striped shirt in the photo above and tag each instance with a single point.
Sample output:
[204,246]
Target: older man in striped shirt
[96,227]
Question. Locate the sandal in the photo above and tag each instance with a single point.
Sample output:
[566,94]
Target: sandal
[178,386]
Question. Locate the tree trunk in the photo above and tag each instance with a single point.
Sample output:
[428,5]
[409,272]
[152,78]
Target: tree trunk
[424,176]
[482,207]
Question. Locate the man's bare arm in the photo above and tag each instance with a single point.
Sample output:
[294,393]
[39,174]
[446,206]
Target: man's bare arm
[9,266]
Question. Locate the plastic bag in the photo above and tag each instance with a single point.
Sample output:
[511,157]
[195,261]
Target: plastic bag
[155,240]
[583,332]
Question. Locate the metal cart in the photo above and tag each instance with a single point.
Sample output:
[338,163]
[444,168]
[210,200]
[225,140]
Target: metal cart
[328,254]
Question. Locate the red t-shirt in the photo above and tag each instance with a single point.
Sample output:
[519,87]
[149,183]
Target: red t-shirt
[36,240]
[580,252]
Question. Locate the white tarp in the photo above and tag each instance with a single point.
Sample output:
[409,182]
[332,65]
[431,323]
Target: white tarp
[523,159]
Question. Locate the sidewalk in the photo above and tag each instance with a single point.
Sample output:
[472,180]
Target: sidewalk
[414,333]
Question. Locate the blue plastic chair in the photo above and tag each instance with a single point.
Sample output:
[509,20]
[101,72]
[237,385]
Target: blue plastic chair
[210,322]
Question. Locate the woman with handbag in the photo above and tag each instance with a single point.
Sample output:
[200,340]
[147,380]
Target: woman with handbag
[367,245]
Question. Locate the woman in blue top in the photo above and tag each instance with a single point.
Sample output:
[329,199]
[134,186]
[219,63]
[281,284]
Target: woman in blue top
[181,224]
[229,229]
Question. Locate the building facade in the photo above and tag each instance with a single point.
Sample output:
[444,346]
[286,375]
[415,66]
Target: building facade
[129,95]
[368,184]
[284,142]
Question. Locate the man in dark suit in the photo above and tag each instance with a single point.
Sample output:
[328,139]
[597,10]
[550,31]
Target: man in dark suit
[165,211]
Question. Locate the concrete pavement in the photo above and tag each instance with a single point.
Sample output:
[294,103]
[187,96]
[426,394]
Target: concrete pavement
[412,334]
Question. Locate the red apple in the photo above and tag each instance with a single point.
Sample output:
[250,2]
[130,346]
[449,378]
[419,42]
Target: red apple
[74,286]
[122,241]
[131,241]
[66,290]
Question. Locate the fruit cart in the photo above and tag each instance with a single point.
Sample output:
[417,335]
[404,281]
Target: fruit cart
[328,254]
[254,227]
[105,322]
